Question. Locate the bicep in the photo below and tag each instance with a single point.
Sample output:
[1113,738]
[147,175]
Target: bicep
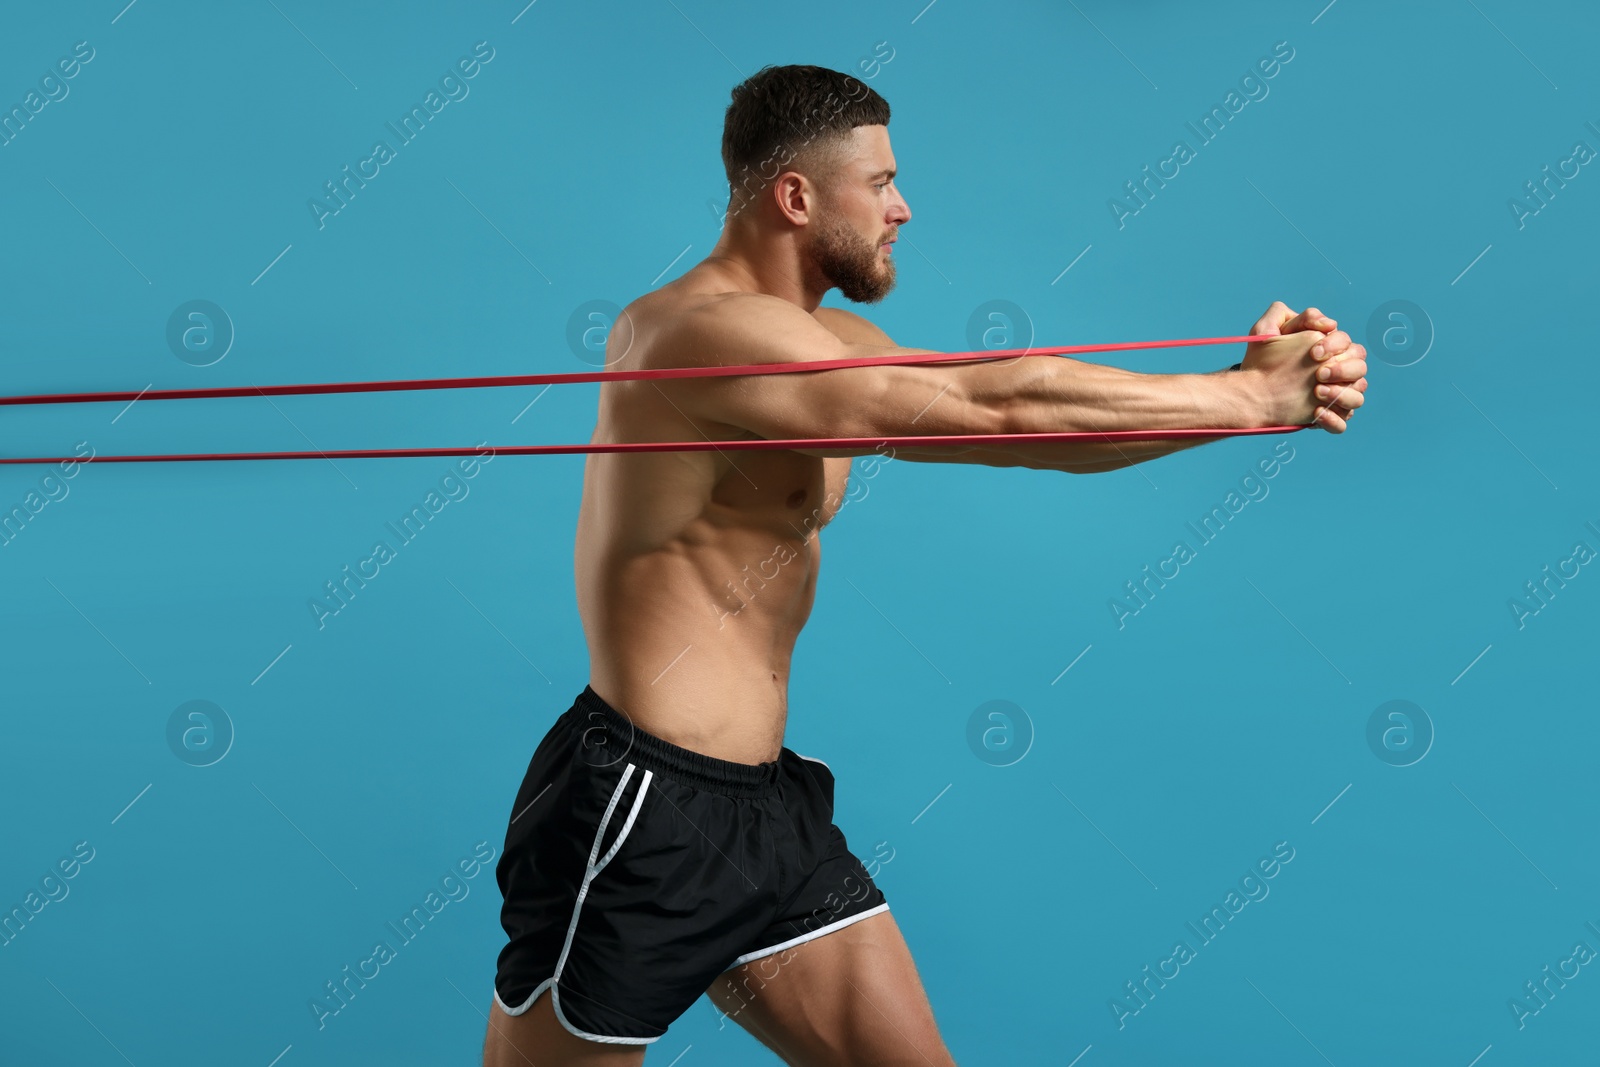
[851,327]
[882,401]
[874,401]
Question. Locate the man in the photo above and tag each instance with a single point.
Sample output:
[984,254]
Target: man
[664,843]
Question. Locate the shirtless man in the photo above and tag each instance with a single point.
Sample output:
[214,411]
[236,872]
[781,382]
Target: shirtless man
[664,843]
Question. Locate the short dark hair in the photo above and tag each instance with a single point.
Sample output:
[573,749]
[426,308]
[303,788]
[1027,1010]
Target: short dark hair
[793,114]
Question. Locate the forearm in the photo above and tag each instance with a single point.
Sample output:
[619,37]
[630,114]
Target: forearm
[1095,457]
[1042,394]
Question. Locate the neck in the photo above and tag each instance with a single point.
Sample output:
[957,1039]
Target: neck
[774,264]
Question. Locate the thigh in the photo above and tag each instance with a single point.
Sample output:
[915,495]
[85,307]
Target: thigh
[625,895]
[851,996]
[537,1037]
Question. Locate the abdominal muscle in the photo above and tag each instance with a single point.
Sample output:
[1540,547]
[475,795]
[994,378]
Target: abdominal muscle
[695,573]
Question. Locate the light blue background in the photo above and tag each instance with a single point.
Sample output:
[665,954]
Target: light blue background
[1227,716]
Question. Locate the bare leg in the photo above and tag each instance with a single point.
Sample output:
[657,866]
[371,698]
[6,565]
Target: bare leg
[536,1038]
[848,997]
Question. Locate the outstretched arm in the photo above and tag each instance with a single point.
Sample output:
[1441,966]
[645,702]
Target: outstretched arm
[1025,395]
[1340,393]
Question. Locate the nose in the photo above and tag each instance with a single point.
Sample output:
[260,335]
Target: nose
[899,210]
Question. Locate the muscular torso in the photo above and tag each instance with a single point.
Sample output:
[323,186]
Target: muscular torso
[695,570]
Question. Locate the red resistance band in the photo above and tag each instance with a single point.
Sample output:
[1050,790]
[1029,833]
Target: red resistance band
[636,375]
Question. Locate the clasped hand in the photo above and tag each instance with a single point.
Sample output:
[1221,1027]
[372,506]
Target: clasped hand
[1315,374]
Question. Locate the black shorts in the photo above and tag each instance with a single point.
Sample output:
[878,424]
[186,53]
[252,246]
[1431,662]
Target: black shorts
[635,872]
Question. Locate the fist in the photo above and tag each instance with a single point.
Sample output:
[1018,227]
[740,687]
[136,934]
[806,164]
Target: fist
[1314,374]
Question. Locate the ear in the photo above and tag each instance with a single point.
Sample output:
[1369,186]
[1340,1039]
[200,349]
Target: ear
[795,196]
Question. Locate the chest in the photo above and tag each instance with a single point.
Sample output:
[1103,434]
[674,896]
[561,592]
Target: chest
[803,492]
[835,482]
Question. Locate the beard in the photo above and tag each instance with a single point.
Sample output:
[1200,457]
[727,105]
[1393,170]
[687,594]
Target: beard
[851,263]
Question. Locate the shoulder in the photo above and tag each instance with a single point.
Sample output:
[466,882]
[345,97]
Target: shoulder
[848,326]
[744,327]
[738,311]
[741,311]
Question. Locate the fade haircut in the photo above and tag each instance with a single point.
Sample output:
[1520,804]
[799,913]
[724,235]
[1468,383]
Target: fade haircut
[797,117]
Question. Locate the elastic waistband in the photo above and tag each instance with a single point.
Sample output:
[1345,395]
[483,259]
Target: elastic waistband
[622,741]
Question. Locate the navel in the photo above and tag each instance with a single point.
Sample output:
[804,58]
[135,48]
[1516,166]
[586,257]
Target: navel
[796,498]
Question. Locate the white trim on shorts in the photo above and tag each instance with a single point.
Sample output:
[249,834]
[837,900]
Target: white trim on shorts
[830,928]
[593,869]
[814,759]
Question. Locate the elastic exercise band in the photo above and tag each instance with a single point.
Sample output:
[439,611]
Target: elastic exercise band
[744,445]
[750,445]
[733,370]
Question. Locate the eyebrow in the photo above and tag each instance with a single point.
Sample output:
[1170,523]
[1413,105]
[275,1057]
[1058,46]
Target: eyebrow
[887,172]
